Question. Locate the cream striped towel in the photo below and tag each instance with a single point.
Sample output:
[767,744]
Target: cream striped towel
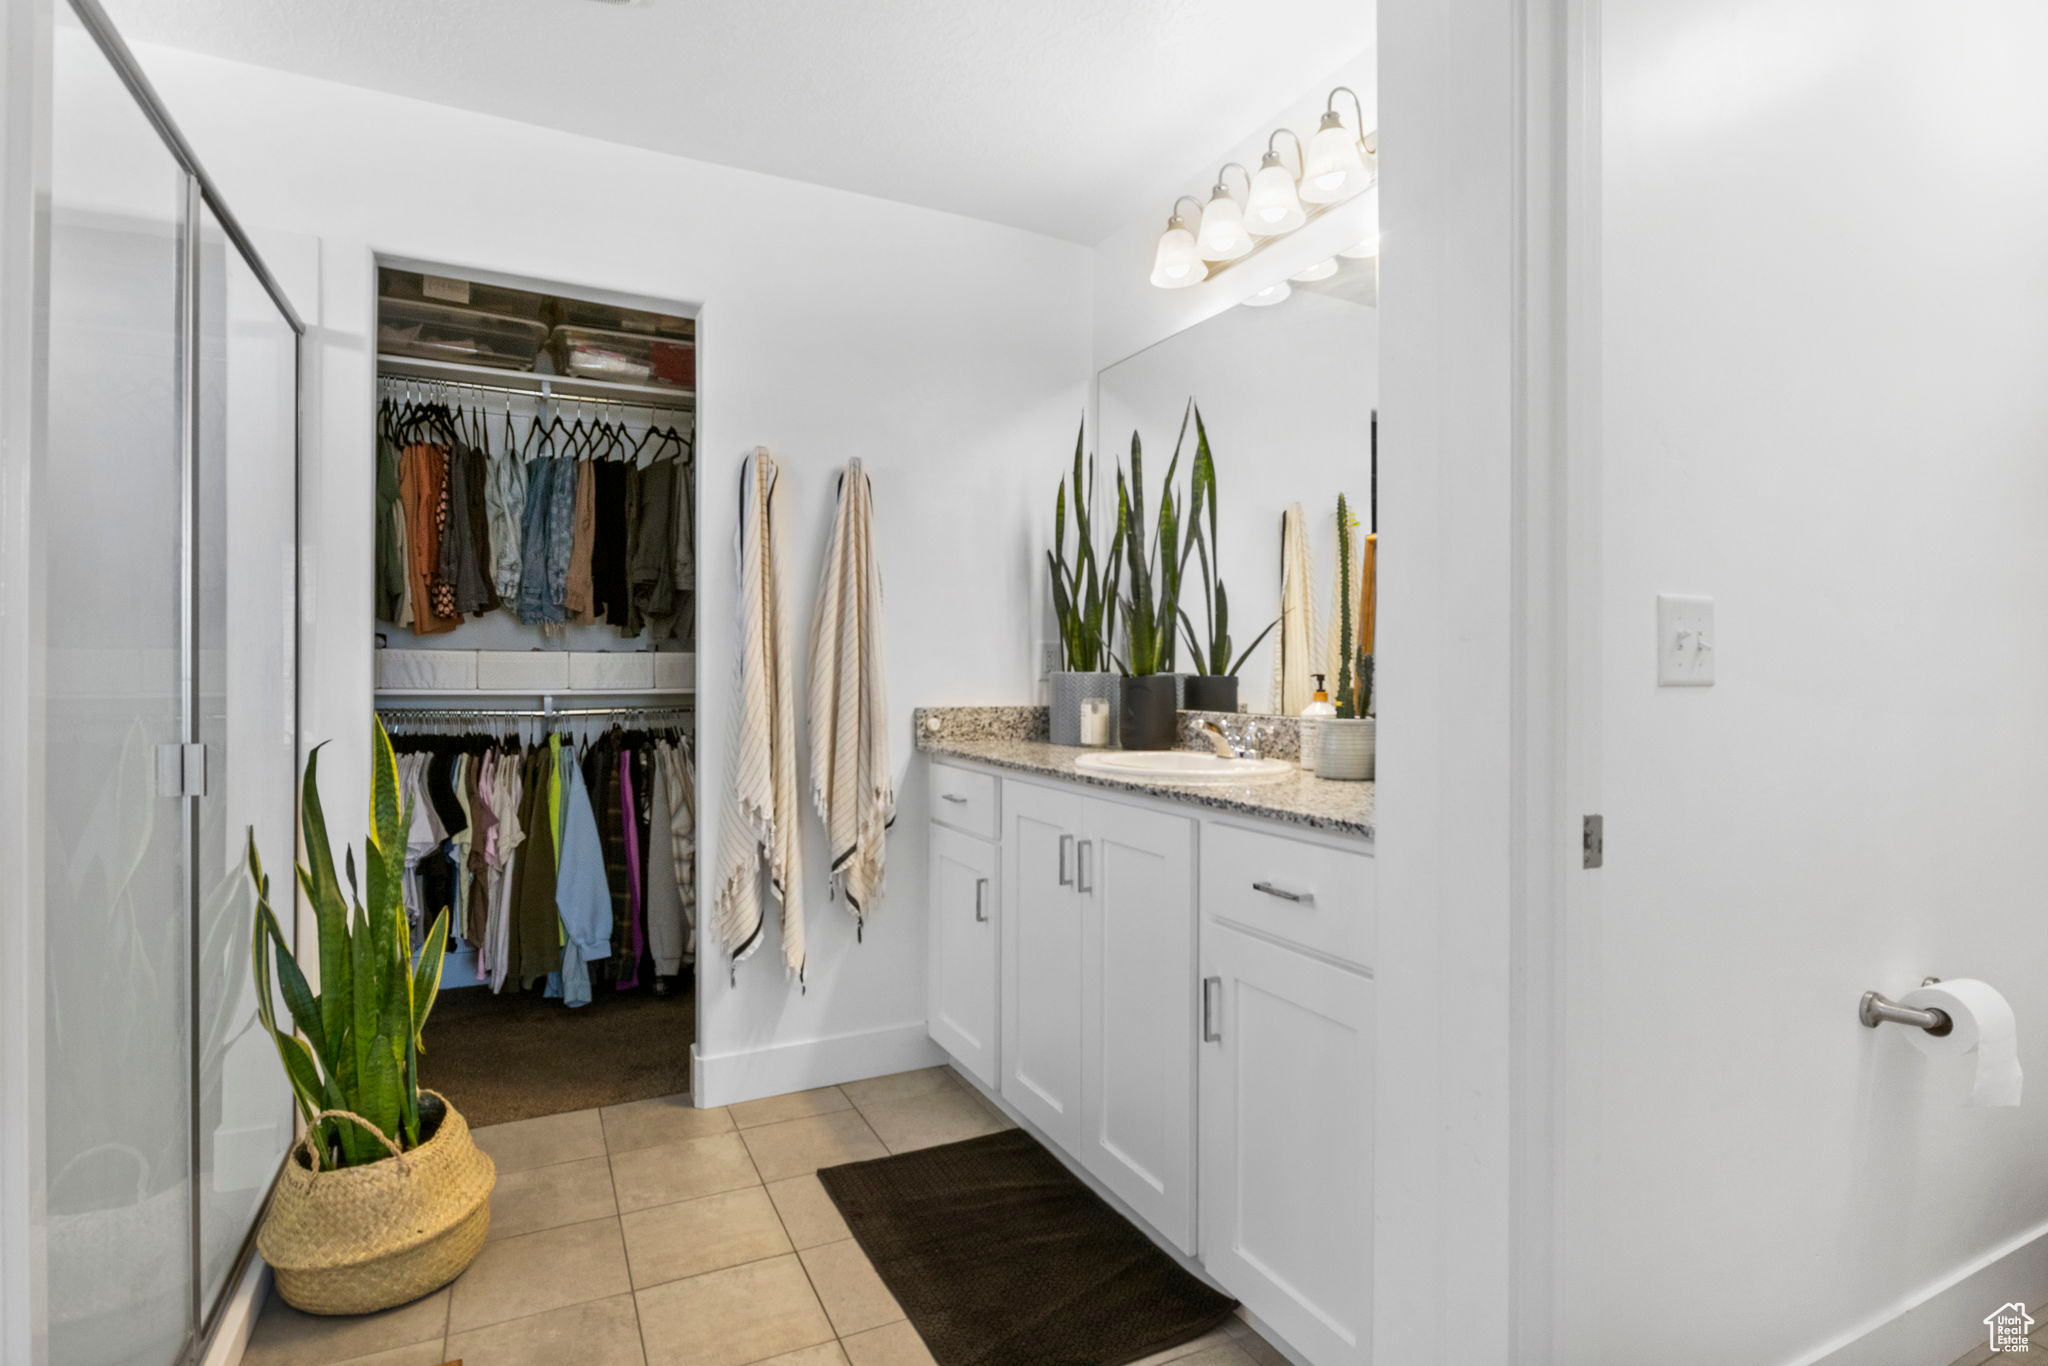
[850,781]
[1295,657]
[760,817]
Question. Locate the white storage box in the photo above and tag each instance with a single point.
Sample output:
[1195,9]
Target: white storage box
[524,670]
[675,669]
[440,670]
[616,669]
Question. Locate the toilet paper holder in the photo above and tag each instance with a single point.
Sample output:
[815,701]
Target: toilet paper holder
[1876,1008]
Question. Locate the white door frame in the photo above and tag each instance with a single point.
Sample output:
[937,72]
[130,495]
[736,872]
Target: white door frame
[1489,157]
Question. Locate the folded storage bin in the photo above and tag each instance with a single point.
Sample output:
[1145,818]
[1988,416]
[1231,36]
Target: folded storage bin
[433,331]
[675,669]
[446,670]
[623,357]
[525,670]
[616,669]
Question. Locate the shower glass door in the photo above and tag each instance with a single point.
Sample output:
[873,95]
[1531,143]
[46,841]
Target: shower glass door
[169,578]
[118,1157]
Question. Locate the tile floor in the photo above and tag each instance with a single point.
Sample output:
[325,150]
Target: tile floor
[652,1234]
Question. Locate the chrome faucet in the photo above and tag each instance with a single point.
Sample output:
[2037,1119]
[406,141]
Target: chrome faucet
[1225,746]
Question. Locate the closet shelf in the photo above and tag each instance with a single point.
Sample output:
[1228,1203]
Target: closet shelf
[568,387]
[536,692]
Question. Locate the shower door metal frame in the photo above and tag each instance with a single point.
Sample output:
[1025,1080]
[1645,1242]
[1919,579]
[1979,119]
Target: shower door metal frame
[202,197]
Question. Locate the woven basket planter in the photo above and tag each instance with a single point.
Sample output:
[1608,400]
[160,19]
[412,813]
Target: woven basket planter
[366,1238]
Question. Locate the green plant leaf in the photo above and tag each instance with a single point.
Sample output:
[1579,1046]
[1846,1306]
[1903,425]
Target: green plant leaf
[323,891]
[427,985]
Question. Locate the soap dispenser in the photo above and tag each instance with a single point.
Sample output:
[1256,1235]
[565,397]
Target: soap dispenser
[1312,724]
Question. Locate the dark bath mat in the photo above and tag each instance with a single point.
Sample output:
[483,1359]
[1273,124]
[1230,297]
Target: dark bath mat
[1002,1258]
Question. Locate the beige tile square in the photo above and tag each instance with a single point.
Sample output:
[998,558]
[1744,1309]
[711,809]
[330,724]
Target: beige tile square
[666,1119]
[847,1284]
[688,1170]
[596,1333]
[799,1146]
[669,1242]
[1189,1353]
[419,1354]
[733,1317]
[752,1114]
[285,1337]
[824,1354]
[807,1212]
[1262,1352]
[928,1120]
[526,1143]
[995,1111]
[897,1344]
[548,1197]
[900,1086]
[536,1272]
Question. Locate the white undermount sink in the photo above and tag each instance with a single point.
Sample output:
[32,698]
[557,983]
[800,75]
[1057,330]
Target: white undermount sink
[1182,766]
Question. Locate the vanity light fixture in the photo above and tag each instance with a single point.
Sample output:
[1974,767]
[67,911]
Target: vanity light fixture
[1223,236]
[1176,263]
[1321,270]
[1337,164]
[1274,293]
[1274,205]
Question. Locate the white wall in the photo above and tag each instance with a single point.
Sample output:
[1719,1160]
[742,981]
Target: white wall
[949,355]
[1287,394]
[1823,348]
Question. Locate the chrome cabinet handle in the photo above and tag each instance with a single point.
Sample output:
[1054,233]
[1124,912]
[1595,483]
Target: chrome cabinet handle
[1212,1030]
[1304,898]
[1066,843]
[1081,883]
[981,900]
[954,798]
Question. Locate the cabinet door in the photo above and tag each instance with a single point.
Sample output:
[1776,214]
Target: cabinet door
[1286,1155]
[1135,870]
[1041,1055]
[961,987]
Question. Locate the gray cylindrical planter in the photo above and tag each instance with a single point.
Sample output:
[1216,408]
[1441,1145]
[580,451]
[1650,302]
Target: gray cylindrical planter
[1210,692]
[1345,748]
[1069,690]
[1149,719]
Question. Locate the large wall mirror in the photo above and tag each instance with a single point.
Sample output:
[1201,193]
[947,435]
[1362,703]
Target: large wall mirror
[1288,390]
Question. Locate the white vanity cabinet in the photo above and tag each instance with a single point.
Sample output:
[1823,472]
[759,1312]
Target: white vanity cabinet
[1186,1011]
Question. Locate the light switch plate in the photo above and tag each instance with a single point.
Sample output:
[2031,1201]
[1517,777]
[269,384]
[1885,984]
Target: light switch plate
[1048,658]
[1685,641]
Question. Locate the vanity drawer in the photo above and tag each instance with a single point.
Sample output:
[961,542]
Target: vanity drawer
[965,800]
[1310,894]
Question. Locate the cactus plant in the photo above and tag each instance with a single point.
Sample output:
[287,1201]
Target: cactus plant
[355,1046]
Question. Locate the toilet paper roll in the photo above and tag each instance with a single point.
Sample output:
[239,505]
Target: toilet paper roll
[1983,1030]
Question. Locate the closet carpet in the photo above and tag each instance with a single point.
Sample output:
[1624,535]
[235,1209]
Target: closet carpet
[517,1056]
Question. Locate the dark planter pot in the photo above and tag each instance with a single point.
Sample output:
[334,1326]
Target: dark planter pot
[1147,717]
[1211,692]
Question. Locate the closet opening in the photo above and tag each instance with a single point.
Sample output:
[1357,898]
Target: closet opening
[536,606]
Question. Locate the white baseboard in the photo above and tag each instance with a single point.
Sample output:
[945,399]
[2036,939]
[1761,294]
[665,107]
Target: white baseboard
[1941,1320]
[729,1078]
[238,1317]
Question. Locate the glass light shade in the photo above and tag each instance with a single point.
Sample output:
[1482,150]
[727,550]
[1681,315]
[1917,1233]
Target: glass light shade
[1273,206]
[1334,167]
[1274,293]
[1223,236]
[1321,270]
[1176,264]
[1368,245]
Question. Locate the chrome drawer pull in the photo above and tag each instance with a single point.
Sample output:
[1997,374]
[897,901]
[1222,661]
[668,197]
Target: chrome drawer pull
[954,797]
[1081,883]
[1212,1031]
[1303,898]
[981,900]
[1066,878]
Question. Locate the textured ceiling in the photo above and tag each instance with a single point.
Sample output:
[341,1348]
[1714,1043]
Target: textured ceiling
[1066,117]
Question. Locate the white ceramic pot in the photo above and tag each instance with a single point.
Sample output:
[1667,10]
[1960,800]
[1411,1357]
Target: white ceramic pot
[1345,748]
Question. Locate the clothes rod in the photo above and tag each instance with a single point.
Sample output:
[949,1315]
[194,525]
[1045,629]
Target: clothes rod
[429,383]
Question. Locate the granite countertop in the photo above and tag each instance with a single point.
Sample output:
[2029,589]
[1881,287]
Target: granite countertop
[1015,738]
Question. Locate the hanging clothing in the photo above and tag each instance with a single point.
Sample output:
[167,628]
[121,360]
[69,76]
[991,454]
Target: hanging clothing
[535,949]
[610,601]
[671,863]
[760,826]
[849,708]
[577,597]
[423,486]
[504,506]
[390,533]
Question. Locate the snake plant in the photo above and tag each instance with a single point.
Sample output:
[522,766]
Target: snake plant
[1083,592]
[355,1046]
[1149,619]
[1213,655]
